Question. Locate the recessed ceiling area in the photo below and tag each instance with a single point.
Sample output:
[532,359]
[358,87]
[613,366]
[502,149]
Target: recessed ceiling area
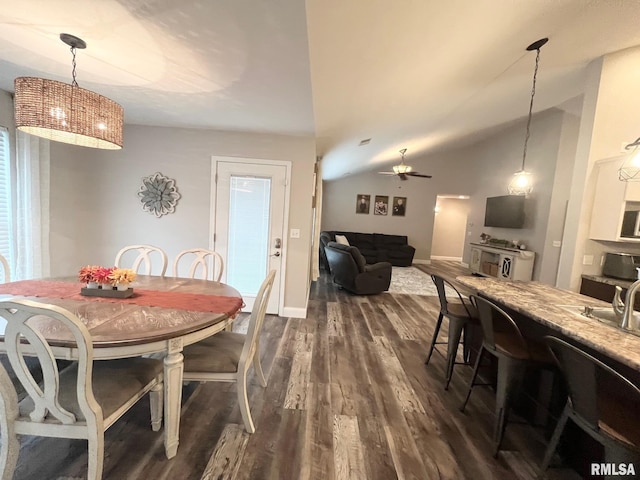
[425,76]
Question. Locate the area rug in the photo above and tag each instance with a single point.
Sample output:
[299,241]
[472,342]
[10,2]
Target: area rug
[411,281]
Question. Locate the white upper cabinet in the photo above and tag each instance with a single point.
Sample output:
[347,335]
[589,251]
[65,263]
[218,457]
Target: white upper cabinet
[612,199]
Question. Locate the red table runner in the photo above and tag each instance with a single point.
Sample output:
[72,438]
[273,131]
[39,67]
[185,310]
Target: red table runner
[197,302]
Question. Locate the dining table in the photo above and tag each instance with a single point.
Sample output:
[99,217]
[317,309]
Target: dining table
[163,315]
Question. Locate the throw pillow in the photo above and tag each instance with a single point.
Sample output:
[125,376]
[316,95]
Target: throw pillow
[342,240]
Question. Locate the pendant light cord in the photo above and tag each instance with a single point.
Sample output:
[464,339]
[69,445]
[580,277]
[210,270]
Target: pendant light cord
[73,63]
[533,93]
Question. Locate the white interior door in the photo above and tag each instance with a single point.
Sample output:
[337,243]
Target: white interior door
[249,225]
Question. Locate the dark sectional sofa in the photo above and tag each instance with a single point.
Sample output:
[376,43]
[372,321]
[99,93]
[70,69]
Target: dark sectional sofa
[374,247]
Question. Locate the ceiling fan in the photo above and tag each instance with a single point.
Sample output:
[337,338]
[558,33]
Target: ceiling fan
[404,171]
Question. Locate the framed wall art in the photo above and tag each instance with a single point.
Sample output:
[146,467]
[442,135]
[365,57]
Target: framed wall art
[363,203]
[381,207]
[399,206]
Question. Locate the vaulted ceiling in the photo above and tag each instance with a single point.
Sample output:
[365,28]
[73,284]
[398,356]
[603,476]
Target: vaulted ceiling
[420,75]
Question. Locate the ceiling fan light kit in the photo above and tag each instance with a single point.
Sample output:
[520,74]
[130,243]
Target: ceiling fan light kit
[522,181]
[65,112]
[403,171]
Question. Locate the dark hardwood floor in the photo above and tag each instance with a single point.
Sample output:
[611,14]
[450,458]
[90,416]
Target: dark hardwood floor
[348,397]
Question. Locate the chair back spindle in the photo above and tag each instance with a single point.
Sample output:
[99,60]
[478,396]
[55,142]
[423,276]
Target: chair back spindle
[144,257]
[203,260]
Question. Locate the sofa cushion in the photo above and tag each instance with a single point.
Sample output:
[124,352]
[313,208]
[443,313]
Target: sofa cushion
[400,251]
[368,252]
[364,241]
[381,239]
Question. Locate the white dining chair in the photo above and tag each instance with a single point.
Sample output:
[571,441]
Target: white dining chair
[145,255]
[5,268]
[203,258]
[80,401]
[227,356]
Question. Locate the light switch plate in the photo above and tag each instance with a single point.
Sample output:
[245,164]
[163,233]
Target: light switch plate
[295,233]
[587,260]
[557,243]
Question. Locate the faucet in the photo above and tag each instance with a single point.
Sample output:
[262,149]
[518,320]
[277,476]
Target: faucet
[618,304]
[629,321]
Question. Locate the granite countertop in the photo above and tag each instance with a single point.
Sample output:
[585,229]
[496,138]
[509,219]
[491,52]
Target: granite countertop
[609,280]
[540,302]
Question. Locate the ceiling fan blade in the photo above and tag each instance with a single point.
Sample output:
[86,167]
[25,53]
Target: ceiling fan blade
[416,174]
[386,173]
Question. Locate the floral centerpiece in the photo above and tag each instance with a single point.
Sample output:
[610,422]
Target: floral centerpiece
[103,277]
[87,274]
[122,277]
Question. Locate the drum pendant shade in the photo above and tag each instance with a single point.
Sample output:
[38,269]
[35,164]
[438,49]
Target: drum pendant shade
[67,113]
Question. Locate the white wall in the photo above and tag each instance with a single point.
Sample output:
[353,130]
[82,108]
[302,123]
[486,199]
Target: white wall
[95,209]
[609,120]
[449,228]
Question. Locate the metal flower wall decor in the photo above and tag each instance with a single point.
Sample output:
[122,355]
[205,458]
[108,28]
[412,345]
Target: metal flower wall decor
[158,194]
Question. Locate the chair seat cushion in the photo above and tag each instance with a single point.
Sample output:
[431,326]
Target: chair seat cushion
[457,309]
[115,382]
[510,345]
[219,353]
[618,418]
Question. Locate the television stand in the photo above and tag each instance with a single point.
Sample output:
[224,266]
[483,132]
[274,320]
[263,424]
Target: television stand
[503,263]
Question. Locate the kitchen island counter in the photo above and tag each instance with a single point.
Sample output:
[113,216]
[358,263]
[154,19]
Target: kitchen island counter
[542,303]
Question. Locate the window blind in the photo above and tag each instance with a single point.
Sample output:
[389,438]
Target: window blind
[6,221]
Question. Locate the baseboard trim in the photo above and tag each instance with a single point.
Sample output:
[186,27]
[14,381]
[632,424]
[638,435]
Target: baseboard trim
[420,261]
[453,259]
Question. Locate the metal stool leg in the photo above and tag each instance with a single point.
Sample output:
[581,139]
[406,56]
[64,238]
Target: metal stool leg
[510,375]
[455,332]
[435,338]
[555,438]
[473,378]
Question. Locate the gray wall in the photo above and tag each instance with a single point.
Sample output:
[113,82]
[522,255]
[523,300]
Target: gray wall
[95,210]
[480,170]
[339,201]
[496,161]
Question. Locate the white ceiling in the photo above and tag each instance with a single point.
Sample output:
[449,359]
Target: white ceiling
[422,75]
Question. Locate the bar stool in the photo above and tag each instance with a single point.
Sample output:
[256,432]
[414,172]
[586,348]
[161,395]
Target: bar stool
[502,339]
[601,402]
[460,314]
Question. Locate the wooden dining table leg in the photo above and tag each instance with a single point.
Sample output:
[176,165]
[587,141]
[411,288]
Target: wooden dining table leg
[173,372]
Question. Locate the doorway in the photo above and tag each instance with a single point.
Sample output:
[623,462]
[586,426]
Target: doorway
[449,227]
[249,205]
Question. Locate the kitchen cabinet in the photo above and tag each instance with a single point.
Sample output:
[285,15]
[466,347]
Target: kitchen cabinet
[605,288]
[502,263]
[612,198]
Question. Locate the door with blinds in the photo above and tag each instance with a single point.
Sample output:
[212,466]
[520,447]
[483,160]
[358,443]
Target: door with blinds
[249,203]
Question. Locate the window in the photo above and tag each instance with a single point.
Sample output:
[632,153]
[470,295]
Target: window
[6,220]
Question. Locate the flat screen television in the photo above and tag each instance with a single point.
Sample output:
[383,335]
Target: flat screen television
[506,211]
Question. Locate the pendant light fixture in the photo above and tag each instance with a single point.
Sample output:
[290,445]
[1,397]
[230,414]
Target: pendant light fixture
[521,183]
[630,169]
[65,112]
